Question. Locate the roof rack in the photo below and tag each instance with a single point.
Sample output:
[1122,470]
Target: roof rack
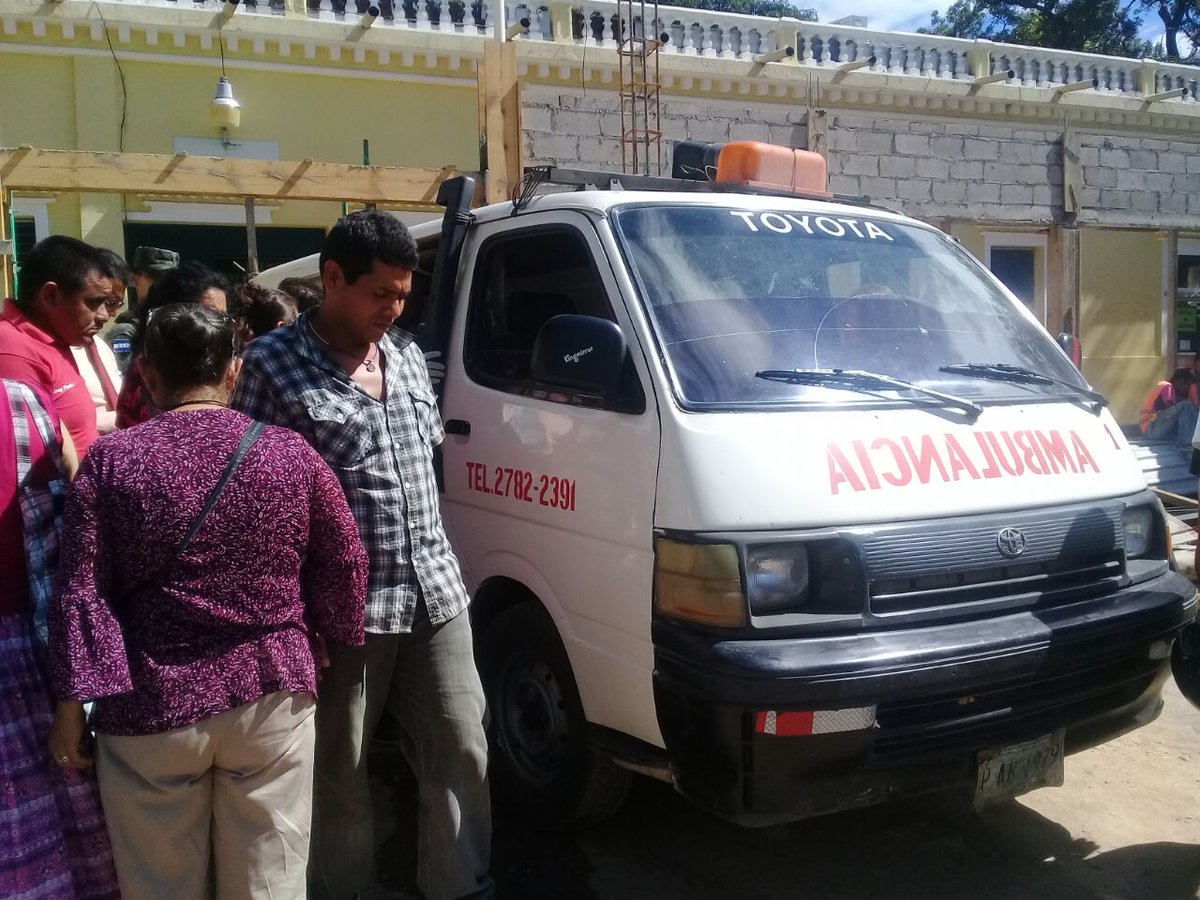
[595,180]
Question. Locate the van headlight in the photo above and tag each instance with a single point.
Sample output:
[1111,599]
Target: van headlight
[777,578]
[726,585]
[820,576]
[1140,526]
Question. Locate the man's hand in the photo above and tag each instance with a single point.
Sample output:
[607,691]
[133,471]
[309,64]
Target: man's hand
[66,737]
[437,368]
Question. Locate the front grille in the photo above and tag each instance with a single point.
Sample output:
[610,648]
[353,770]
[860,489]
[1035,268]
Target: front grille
[1078,551]
[1081,574]
[952,724]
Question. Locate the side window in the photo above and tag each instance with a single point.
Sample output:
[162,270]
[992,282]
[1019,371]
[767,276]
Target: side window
[521,282]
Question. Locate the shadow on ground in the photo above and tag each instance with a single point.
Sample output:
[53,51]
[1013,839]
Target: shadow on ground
[659,845]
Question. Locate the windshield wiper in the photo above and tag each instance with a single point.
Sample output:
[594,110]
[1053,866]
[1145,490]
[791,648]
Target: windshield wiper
[858,380]
[1021,375]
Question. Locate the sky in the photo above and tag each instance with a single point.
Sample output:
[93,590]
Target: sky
[886,15]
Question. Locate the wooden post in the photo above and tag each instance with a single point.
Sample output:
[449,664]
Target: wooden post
[1069,249]
[1170,342]
[500,113]
[251,240]
[1072,173]
[8,246]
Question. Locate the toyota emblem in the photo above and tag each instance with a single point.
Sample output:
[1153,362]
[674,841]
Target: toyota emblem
[1011,542]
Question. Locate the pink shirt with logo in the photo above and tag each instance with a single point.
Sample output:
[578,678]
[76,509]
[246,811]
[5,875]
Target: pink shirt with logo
[29,354]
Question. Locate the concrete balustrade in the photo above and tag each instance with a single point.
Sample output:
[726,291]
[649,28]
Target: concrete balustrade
[715,35]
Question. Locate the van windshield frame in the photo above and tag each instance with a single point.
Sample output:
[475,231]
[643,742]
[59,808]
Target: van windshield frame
[731,291]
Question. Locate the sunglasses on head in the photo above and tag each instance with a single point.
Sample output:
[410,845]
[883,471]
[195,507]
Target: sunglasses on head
[234,325]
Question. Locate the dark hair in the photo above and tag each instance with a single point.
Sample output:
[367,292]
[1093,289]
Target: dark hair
[186,283]
[63,260]
[117,268]
[356,241]
[189,345]
[1183,378]
[264,308]
[306,296]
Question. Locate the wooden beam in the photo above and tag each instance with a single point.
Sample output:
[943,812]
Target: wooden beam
[8,245]
[1072,174]
[1071,273]
[149,174]
[500,112]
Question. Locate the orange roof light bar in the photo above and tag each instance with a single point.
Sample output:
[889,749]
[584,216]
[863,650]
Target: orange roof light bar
[753,165]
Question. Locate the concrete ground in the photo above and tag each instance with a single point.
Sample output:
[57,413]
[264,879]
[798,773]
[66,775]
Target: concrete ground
[1125,826]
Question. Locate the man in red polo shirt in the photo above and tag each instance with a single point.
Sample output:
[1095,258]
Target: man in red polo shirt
[62,289]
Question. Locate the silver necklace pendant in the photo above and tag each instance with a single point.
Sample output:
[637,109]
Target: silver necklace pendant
[370,365]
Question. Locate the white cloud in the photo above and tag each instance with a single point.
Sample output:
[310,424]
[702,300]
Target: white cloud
[885,15]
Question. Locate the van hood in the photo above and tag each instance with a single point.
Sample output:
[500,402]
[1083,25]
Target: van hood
[738,471]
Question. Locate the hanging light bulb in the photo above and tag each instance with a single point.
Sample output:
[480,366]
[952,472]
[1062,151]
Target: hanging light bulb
[226,111]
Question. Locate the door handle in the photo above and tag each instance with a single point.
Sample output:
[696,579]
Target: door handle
[458,426]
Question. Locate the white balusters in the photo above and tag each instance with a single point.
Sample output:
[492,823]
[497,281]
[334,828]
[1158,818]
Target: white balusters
[731,36]
[732,46]
[928,69]
[823,55]
[805,50]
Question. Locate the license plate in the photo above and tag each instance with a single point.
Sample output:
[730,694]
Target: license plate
[1006,772]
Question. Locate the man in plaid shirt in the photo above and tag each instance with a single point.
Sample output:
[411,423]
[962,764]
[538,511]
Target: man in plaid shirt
[358,390]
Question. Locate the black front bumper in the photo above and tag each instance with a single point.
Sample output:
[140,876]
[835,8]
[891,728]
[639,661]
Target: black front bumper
[941,694]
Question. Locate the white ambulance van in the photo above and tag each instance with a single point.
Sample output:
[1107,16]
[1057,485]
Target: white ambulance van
[782,498]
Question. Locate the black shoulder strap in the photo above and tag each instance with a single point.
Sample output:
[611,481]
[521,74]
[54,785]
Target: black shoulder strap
[252,434]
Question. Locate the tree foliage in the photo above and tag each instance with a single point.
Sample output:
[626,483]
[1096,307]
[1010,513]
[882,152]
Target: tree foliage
[1180,18]
[775,9]
[1092,26]
[964,19]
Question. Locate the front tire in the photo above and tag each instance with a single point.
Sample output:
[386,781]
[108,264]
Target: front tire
[542,766]
[1185,663]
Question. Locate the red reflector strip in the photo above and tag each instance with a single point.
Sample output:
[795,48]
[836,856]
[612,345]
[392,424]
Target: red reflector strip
[821,721]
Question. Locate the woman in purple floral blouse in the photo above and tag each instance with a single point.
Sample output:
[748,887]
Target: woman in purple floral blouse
[197,644]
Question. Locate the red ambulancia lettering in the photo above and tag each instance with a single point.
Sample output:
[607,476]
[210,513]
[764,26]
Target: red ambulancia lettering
[885,462]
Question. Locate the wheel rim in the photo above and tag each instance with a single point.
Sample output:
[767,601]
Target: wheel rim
[532,721]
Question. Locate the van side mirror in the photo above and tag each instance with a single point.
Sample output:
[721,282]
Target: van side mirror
[1072,347]
[583,353]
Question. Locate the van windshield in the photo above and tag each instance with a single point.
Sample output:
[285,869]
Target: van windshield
[734,292]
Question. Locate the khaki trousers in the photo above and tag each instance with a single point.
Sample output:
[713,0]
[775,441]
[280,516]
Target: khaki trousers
[218,809]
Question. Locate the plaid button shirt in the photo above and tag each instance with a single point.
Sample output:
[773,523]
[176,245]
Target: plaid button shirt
[381,451]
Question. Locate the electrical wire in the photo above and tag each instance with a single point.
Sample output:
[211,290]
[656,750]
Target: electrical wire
[527,187]
[124,102]
[120,73]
